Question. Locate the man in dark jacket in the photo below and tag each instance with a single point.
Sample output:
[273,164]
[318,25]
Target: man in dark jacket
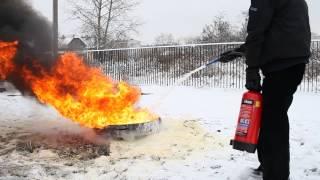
[278,43]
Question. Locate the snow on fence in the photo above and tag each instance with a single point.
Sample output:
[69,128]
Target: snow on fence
[164,65]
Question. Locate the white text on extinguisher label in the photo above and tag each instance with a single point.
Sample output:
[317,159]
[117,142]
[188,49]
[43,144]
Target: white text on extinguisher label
[244,119]
[248,102]
[243,127]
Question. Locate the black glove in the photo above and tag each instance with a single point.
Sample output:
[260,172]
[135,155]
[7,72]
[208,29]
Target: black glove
[253,79]
[231,55]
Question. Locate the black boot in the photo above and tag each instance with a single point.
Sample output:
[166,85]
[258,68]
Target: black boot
[252,174]
[2,90]
[258,172]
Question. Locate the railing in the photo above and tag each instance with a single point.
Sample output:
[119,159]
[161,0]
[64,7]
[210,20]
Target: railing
[165,65]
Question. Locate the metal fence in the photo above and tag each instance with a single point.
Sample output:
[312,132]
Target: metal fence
[165,65]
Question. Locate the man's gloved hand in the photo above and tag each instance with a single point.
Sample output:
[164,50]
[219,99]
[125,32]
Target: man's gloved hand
[253,79]
[231,55]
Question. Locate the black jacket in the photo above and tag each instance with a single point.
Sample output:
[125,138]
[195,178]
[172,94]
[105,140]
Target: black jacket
[278,34]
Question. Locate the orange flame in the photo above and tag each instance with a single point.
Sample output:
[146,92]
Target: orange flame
[84,94]
[7,52]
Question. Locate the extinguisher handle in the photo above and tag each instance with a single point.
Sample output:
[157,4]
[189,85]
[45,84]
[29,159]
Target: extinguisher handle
[254,92]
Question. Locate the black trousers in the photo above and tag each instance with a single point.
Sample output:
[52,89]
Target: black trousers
[273,147]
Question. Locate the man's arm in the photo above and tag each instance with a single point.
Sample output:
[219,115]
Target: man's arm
[260,17]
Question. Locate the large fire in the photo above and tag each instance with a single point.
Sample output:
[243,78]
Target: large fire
[79,92]
[7,53]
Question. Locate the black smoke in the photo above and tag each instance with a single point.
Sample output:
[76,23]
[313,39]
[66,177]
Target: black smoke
[19,21]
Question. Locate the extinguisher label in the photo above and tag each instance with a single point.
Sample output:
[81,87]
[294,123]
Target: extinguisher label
[243,127]
[248,102]
[245,115]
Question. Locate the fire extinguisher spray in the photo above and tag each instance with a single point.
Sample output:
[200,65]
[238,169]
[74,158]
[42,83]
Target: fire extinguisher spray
[249,122]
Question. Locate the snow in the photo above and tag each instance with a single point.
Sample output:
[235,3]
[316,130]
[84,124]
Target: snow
[193,142]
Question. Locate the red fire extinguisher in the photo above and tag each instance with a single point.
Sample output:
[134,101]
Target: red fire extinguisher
[249,122]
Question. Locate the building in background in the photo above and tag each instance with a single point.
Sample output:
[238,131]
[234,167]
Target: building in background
[76,44]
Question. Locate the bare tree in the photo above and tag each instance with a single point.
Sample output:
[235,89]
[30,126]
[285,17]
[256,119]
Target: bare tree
[104,21]
[220,30]
[242,33]
[191,40]
[165,39]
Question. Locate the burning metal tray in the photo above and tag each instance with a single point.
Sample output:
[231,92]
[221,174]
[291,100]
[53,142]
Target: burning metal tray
[131,131]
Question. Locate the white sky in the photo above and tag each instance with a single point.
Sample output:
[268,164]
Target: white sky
[182,18]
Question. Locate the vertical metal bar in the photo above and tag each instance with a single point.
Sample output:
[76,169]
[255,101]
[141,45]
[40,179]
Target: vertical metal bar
[234,75]
[155,68]
[160,66]
[239,74]
[221,82]
[167,59]
[193,55]
[146,59]
[312,73]
[103,67]
[188,65]
[114,57]
[173,64]
[176,57]
[55,30]
[108,63]
[308,87]
[142,57]
[198,59]
[140,65]
[214,69]
[210,56]
[192,64]
[226,74]
[114,62]
[135,66]
[132,64]
[111,63]
[197,65]
[221,69]
[125,65]
[129,64]
[150,66]
[305,80]
[169,65]
[119,65]
[203,72]
[316,43]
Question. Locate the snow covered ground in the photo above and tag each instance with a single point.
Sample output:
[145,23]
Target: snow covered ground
[193,142]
